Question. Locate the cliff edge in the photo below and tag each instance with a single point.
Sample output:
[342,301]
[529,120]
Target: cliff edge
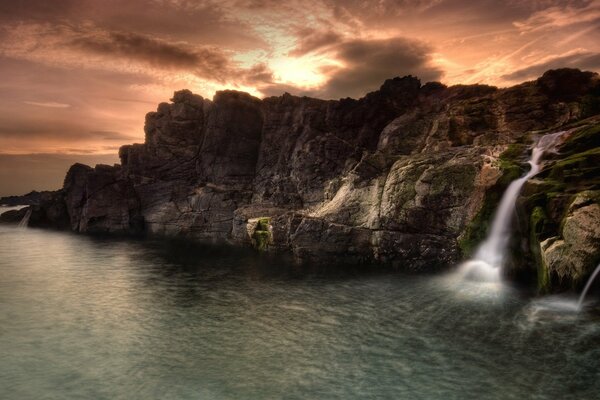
[406,176]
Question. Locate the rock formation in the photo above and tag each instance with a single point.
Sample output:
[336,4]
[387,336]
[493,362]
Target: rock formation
[29,199]
[406,176]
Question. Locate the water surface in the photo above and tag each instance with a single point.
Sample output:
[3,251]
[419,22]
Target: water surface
[94,318]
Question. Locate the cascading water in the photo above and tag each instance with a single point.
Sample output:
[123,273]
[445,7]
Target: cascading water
[25,220]
[587,287]
[488,260]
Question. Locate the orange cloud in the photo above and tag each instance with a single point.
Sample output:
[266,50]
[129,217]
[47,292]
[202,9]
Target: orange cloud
[80,75]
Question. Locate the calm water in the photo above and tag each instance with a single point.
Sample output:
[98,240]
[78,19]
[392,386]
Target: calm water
[93,318]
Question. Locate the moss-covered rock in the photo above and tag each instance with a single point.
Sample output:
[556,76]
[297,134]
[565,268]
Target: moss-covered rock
[510,163]
[262,236]
[561,206]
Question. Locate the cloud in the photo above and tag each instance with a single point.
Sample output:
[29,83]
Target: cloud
[48,104]
[258,74]
[203,61]
[208,21]
[560,16]
[356,66]
[112,61]
[368,63]
[581,60]
[312,40]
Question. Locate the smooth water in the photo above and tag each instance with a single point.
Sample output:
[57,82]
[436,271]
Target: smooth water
[488,260]
[93,318]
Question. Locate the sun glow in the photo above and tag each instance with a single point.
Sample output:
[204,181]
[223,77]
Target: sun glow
[299,71]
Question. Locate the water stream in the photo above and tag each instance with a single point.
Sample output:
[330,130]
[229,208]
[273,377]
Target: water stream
[487,263]
[587,287]
[25,220]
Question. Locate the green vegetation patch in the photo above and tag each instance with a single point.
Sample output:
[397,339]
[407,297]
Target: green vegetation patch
[262,234]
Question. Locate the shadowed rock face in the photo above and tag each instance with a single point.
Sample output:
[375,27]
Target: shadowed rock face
[395,177]
[31,198]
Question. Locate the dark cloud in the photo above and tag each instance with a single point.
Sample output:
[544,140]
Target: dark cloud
[205,62]
[584,61]
[207,21]
[258,74]
[368,63]
[312,40]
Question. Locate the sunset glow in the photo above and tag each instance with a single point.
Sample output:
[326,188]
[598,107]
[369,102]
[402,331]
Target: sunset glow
[74,69]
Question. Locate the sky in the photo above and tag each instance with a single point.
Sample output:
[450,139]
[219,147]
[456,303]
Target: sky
[78,76]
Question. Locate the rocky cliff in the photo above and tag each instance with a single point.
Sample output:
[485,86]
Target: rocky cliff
[406,176]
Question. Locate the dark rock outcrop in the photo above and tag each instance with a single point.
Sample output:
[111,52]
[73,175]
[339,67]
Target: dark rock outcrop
[397,177]
[28,199]
[49,211]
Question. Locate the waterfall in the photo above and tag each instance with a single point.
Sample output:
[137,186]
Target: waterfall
[25,221]
[489,258]
[587,287]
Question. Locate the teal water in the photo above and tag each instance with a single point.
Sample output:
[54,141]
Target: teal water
[95,318]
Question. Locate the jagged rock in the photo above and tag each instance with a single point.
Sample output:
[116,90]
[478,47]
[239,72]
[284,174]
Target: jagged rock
[99,200]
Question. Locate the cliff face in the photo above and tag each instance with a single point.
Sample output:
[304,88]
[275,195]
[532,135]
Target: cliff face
[398,177]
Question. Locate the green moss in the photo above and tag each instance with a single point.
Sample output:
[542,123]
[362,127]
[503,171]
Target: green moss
[262,234]
[537,218]
[577,172]
[585,138]
[262,239]
[263,224]
[515,151]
